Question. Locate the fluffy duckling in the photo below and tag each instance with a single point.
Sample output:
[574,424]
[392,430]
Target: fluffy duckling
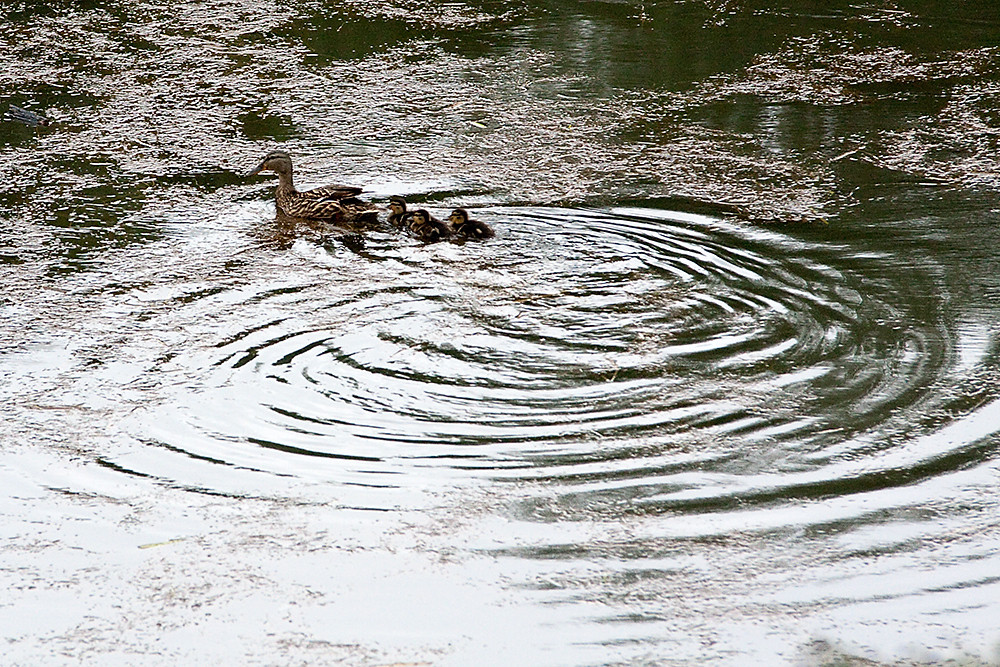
[427,228]
[469,229]
[331,202]
[399,217]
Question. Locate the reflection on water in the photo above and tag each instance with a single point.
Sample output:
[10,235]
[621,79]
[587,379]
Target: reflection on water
[637,427]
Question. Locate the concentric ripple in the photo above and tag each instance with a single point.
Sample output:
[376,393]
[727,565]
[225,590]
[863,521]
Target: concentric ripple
[634,352]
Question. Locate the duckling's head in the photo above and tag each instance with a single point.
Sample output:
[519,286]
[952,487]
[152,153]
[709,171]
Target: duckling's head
[459,216]
[397,205]
[421,216]
[279,162]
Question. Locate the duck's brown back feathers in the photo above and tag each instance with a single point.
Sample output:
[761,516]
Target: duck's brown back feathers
[474,229]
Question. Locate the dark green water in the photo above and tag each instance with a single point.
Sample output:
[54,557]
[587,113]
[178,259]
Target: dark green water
[723,390]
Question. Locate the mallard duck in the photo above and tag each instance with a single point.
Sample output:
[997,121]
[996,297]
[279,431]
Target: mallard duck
[427,228]
[399,217]
[470,229]
[332,202]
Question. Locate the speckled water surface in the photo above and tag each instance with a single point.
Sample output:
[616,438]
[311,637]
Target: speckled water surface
[723,390]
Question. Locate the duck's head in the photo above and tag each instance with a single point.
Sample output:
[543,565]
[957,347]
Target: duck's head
[279,162]
[397,205]
[421,217]
[458,216]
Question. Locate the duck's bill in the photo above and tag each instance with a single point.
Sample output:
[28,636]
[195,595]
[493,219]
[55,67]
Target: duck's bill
[256,170]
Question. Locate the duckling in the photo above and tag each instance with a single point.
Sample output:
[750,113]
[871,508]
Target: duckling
[399,217]
[331,202]
[427,228]
[470,229]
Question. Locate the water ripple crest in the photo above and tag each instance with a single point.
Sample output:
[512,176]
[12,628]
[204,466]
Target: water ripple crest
[663,358]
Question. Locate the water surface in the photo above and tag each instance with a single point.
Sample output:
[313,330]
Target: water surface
[723,388]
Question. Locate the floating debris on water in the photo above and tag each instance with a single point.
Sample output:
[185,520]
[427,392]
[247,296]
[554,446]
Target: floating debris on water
[30,118]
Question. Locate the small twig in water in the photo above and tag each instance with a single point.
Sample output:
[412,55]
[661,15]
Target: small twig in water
[29,118]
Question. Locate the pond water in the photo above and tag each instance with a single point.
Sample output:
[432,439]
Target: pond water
[724,389]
